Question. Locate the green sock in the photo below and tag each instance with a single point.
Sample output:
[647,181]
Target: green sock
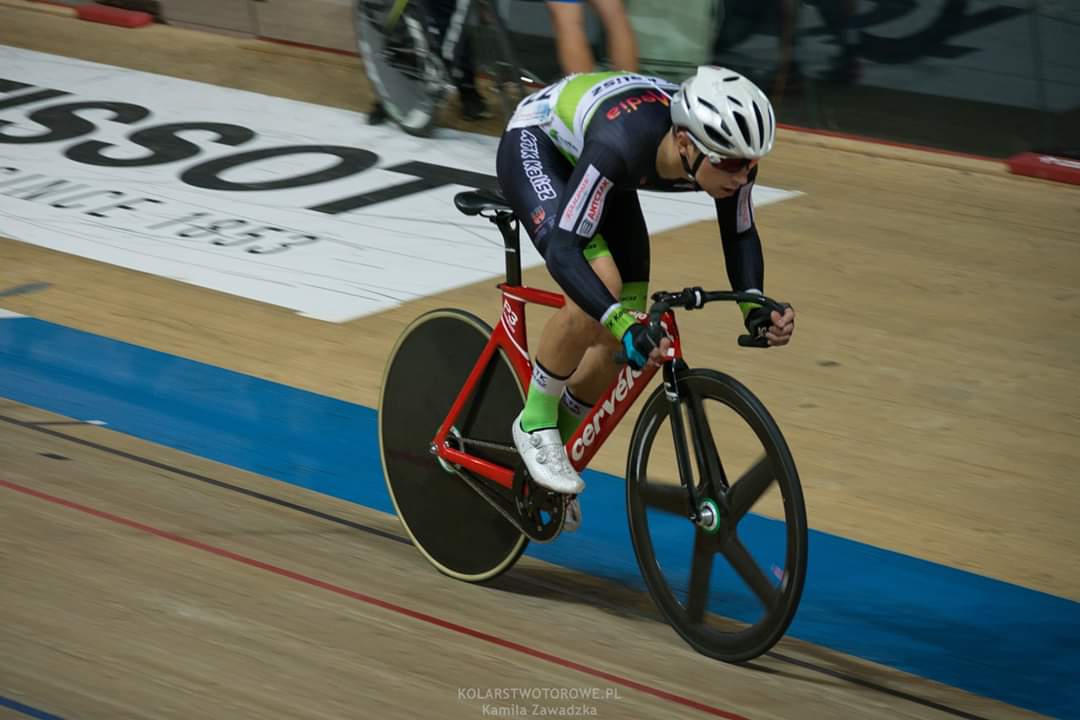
[571,412]
[542,402]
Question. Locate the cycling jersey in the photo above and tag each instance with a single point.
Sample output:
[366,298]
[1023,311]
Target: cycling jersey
[571,162]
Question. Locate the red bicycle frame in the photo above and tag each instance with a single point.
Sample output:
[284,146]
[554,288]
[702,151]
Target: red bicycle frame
[509,336]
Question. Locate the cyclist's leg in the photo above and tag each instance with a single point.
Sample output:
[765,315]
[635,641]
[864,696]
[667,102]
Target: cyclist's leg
[571,40]
[572,407]
[626,246]
[450,18]
[533,175]
[621,41]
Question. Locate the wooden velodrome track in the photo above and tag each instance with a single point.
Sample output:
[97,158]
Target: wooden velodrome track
[930,397]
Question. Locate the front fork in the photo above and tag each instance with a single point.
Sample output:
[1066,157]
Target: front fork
[702,509]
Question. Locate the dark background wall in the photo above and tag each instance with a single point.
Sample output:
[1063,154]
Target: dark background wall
[990,77]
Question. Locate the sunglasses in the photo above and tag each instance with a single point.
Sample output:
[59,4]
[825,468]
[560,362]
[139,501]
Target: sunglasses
[733,165]
[727,164]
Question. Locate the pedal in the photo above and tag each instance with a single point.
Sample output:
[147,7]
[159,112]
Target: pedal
[533,503]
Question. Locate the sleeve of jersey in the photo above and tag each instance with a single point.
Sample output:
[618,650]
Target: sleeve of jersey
[739,235]
[581,212]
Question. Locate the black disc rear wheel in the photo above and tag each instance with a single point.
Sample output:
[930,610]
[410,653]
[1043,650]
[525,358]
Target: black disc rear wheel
[461,533]
[730,590]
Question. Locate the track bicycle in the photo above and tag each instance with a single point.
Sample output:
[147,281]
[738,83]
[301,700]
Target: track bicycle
[453,386]
[411,55]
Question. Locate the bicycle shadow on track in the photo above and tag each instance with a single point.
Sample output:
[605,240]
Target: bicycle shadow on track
[558,584]
[793,659]
[562,585]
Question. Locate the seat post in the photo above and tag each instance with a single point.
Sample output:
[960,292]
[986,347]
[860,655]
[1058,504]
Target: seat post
[510,230]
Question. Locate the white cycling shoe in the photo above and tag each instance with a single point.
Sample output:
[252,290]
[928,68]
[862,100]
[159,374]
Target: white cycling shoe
[545,459]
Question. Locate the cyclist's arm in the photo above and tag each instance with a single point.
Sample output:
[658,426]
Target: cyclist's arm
[742,244]
[581,212]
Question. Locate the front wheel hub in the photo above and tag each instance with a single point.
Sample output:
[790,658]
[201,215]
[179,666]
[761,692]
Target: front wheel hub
[709,517]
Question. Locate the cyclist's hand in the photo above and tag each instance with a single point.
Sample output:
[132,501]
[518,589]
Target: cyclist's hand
[774,327]
[642,348]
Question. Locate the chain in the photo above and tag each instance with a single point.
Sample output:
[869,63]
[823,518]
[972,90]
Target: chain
[514,519]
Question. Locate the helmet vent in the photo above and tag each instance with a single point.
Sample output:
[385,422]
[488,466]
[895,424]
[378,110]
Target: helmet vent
[732,78]
[744,129]
[709,105]
[760,123]
[735,100]
[717,137]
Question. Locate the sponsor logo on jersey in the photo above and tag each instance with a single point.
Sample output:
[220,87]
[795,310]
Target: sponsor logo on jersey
[631,104]
[537,216]
[595,210]
[534,169]
[744,218]
[576,203]
[620,80]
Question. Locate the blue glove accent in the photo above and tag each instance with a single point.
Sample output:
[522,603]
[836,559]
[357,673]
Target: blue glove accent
[634,338]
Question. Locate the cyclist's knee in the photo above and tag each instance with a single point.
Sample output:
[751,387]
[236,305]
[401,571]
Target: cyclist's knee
[604,340]
[584,327]
[597,334]
[576,320]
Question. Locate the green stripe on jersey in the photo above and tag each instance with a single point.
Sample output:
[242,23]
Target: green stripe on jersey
[574,90]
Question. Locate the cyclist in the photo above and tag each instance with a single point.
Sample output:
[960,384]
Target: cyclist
[570,163]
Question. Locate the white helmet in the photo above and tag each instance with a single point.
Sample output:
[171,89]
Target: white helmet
[726,114]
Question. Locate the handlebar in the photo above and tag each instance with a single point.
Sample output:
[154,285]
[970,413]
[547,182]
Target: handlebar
[694,298]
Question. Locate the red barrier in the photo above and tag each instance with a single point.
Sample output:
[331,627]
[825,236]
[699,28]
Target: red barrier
[1048,167]
[113,16]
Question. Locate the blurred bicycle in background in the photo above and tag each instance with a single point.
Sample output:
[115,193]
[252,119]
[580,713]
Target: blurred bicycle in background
[414,52]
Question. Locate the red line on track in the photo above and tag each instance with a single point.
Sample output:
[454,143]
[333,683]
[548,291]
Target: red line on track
[392,607]
[308,46]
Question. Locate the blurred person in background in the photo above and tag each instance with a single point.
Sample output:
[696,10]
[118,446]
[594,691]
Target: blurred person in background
[449,17]
[839,19]
[572,41]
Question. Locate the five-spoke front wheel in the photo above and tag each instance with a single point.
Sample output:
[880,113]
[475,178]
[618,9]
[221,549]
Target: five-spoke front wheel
[730,583]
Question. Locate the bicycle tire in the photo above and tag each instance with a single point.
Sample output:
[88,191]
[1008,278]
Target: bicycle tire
[407,73]
[458,531]
[734,641]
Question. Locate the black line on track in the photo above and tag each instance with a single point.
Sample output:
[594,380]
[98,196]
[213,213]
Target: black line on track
[208,480]
[875,686]
[39,427]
